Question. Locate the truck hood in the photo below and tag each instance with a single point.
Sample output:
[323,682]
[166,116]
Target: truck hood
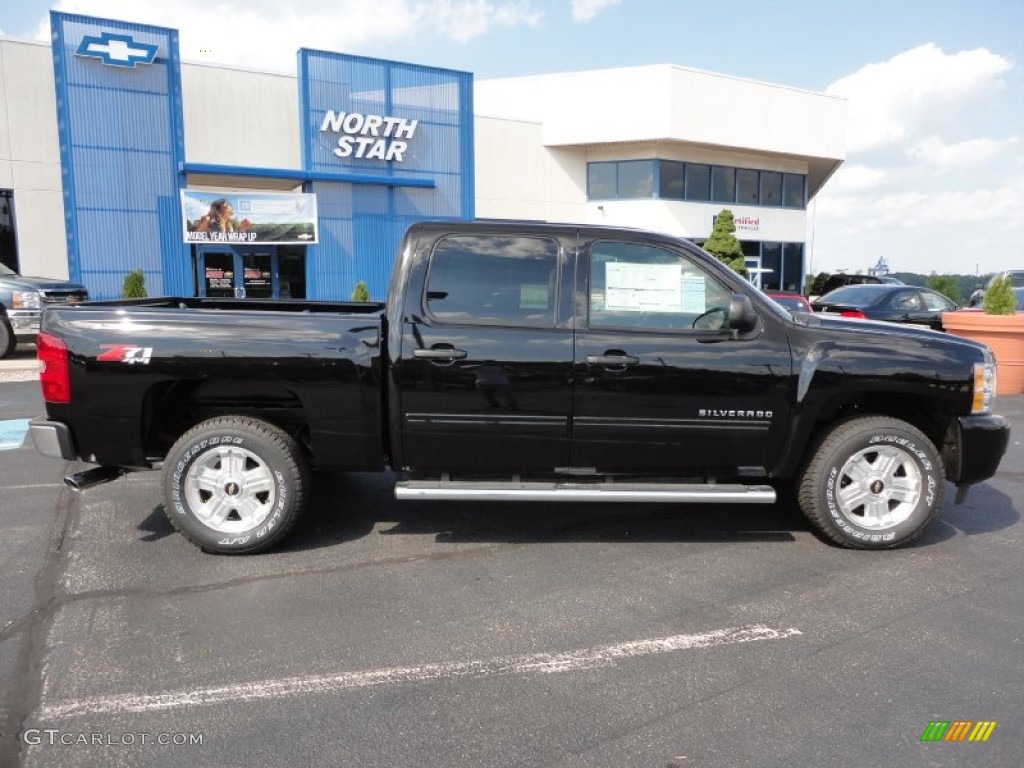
[27,283]
[884,332]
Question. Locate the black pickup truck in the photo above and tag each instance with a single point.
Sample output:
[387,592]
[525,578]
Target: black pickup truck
[519,361]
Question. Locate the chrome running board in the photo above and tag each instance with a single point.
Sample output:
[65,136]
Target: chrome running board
[453,490]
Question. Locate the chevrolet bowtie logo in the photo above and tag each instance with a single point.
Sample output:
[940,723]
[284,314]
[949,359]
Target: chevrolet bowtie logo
[119,50]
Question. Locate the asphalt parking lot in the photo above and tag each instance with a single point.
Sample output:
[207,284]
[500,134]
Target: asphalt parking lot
[454,634]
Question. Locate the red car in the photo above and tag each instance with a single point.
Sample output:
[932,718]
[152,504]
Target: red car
[794,302]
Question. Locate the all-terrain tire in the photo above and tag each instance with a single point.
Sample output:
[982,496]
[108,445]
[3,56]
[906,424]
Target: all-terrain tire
[235,485]
[873,482]
[8,342]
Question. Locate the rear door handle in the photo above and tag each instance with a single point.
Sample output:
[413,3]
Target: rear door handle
[440,353]
[612,360]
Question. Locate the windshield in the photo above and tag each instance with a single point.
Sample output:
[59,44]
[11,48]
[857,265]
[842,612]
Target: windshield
[7,271]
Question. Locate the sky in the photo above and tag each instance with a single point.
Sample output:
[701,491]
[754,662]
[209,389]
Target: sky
[933,179]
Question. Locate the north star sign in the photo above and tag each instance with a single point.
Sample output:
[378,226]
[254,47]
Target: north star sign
[117,50]
[369,137]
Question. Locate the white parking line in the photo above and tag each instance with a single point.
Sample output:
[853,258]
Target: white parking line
[567,661]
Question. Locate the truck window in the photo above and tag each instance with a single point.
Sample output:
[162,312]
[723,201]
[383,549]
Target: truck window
[493,280]
[640,286]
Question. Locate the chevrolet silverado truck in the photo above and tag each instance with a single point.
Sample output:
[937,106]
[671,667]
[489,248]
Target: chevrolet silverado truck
[522,361]
[21,302]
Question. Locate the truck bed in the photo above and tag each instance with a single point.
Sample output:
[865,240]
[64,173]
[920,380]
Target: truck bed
[177,361]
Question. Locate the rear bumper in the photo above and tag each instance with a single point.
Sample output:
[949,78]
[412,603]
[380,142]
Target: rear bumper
[983,441]
[53,439]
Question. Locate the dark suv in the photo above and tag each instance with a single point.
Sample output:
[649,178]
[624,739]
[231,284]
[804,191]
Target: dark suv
[841,279]
[21,304]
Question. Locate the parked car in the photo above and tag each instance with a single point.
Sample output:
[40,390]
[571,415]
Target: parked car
[894,303]
[521,361]
[1016,279]
[21,304]
[794,302]
[840,279]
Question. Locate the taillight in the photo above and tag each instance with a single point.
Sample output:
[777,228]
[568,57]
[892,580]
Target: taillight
[853,313]
[53,371]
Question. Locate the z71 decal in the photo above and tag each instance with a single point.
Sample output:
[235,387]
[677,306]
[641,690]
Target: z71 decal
[124,353]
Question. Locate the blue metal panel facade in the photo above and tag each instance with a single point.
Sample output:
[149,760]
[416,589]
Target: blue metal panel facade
[121,146]
[361,225]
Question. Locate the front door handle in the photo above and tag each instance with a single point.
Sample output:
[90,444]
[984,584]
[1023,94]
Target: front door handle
[616,359]
[440,353]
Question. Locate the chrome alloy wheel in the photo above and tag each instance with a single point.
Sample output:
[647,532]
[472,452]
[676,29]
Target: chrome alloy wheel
[230,489]
[879,487]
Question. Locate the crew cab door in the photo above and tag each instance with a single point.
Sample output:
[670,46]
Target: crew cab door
[483,374]
[662,386]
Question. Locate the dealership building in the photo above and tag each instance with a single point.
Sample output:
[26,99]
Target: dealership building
[218,181]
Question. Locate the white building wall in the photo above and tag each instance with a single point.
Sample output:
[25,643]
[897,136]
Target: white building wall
[517,177]
[238,117]
[30,156]
[652,103]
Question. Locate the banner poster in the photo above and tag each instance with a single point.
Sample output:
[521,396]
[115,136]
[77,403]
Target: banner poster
[249,218]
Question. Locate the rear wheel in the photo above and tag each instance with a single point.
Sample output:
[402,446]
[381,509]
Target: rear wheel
[873,483]
[7,340]
[235,485]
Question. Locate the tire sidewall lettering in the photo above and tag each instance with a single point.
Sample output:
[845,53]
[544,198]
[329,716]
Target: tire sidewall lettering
[829,476]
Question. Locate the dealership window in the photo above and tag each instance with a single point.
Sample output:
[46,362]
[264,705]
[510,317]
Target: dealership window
[670,179]
[793,267]
[793,190]
[697,182]
[636,179]
[771,188]
[723,184]
[785,260]
[746,186]
[8,240]
[601,181]
[493,280]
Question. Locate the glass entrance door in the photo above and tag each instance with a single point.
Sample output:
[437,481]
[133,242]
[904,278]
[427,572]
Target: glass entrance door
[236,273]
[216,274]
[258,275]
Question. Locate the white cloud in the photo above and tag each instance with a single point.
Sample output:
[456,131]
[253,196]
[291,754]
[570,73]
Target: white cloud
[266,33]
[856,177]
[934,153]
[888,101]
[586,10]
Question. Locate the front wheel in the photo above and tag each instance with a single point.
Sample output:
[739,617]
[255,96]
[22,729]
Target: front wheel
[8,342]
[235,485]
[873,483]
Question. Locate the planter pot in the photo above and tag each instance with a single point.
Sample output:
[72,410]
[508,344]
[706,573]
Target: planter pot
[1004,335]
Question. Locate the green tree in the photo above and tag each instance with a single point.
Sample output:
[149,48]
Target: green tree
[134,286]
[360,292]
[817,286]
[723,245]
[999,298]
[947,285]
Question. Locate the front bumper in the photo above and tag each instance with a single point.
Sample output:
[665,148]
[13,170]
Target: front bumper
[983,441]
[53,439]
[24,323]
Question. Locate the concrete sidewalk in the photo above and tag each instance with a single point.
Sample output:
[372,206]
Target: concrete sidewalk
[21,366]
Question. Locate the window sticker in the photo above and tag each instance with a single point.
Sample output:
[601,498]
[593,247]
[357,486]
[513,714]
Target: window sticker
[643,287]
[694,294]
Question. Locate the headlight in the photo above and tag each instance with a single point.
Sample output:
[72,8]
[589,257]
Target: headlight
[26,300]
[984,385]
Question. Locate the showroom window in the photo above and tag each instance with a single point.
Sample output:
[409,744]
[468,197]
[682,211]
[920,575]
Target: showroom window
[696,182]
